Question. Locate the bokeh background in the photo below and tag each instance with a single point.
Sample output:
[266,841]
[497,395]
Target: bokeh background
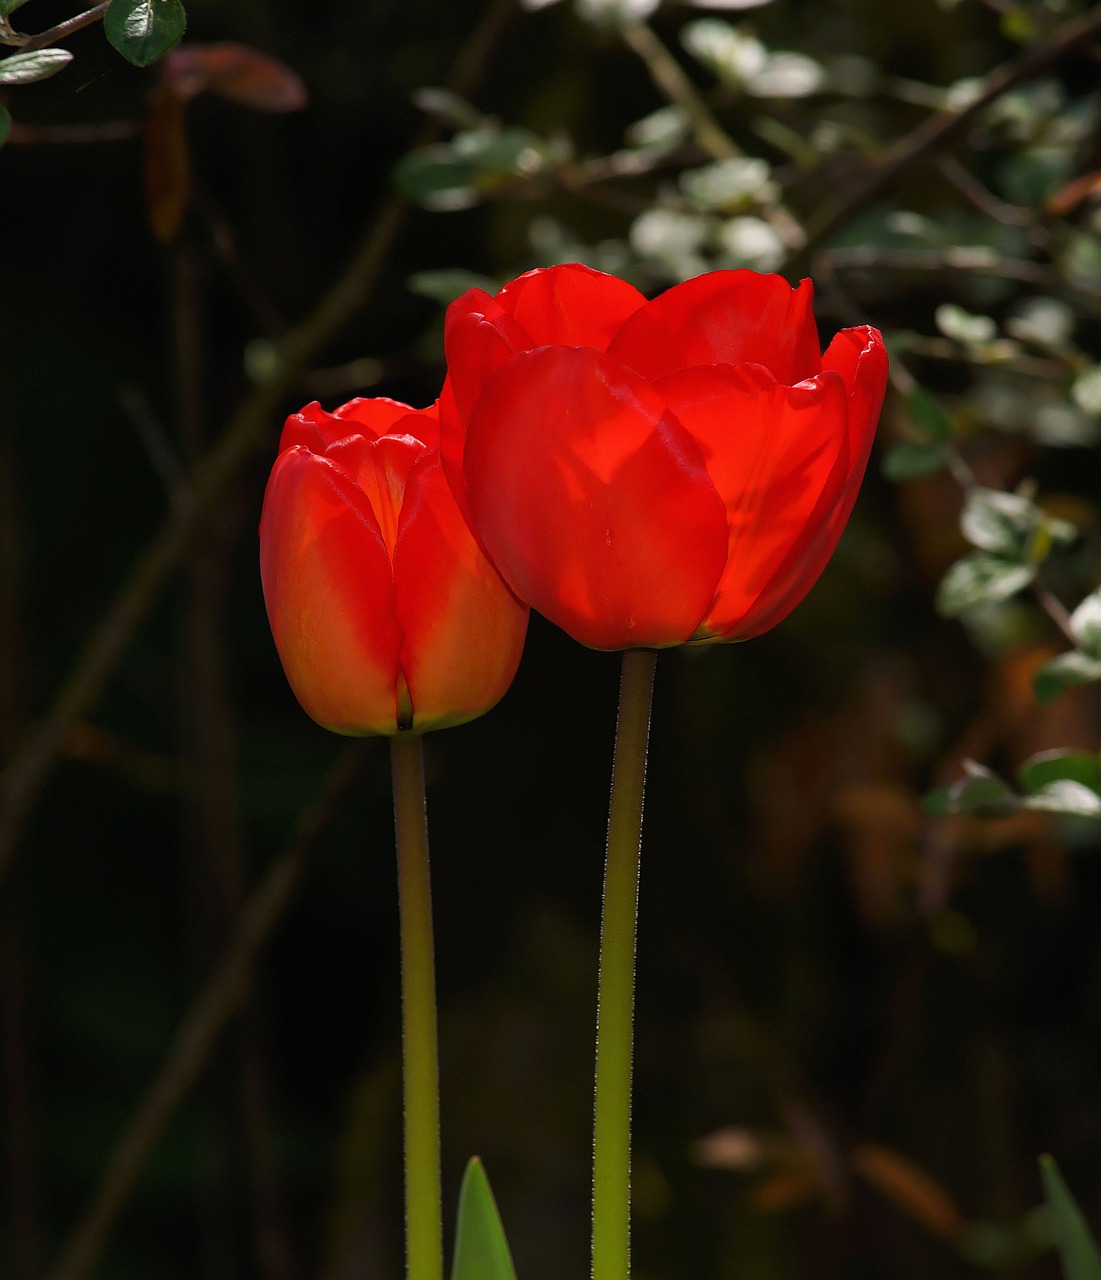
[859,1022]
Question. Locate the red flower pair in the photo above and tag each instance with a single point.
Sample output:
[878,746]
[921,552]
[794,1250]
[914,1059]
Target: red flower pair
[642,473]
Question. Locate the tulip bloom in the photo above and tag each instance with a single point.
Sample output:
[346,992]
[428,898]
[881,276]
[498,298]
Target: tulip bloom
[649,473]
[385,611]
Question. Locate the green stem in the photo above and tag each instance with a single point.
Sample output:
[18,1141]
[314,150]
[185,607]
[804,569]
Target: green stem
[420,1071]
[615,1008]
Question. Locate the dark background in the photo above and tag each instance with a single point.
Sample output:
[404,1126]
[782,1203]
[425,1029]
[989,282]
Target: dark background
[898,1014]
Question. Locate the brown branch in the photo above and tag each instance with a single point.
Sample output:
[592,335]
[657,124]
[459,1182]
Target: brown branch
[247,431]
[37,135]
[225,991]
[939,130]
[66,28]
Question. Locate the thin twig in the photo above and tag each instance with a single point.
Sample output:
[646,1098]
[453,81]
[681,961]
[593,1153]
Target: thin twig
[939,130]
[66,28]
[977,258]
[68,135]
[1055,610]
[225,990]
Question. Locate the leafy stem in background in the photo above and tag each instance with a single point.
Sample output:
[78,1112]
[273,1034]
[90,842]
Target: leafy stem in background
[615,1006]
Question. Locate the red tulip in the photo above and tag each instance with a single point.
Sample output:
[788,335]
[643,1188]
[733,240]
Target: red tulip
[648,473]
[385,611]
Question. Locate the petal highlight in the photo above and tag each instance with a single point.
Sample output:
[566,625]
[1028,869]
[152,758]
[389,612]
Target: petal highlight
[724,317]
[593,501]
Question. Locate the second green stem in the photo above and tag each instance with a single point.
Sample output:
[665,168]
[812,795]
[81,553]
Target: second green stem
[420,1069]
[615,1008]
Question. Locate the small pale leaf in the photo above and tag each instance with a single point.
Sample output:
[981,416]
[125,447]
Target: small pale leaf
[1083,767]
[1085,623]
[998,522]
[1064,671]
[481,1250]
[1065,796]
[39,64]
[1081,1258]
[981,579]
[144,30]
[981,792]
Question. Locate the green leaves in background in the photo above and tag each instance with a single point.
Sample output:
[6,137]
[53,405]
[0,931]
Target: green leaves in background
[481,1250]
[454,175]
[1013,536]
[5,124]
[1081,665]
[1081,1259]
[144,30]
[39,64]
[929,451]
[1058,782]
[449,283]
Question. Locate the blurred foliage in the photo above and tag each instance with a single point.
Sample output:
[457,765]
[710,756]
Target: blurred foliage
[861,1015]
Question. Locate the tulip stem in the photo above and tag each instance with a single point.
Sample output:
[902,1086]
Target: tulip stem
[420,1069]
[615,1005]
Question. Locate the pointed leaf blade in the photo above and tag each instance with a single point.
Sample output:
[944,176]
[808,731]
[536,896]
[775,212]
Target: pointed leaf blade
[481,1250]
[1081,1259]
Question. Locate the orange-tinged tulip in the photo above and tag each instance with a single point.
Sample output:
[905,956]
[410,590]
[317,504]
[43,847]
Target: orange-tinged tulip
[386,613]
[650,473]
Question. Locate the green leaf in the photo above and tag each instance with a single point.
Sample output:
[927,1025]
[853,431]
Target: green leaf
[481,1250]
[454,175]
[981,579]
[1060,673]
[911,461]
[5,124]
[39,64]
[1065,797]
[447,285]
[144,30]
[998,522]
[435,178]
[980,792]
[1085,624]
[928,416]
[1078,1248]
[10,6]
[1047,767]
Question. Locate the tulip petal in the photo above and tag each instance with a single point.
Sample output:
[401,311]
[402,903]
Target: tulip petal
[860,357]
[463,629]
[570,305]
[593,501]
[773,452]
[479,336]
[724,317]
[316,429]
[329,591]
[380,415]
